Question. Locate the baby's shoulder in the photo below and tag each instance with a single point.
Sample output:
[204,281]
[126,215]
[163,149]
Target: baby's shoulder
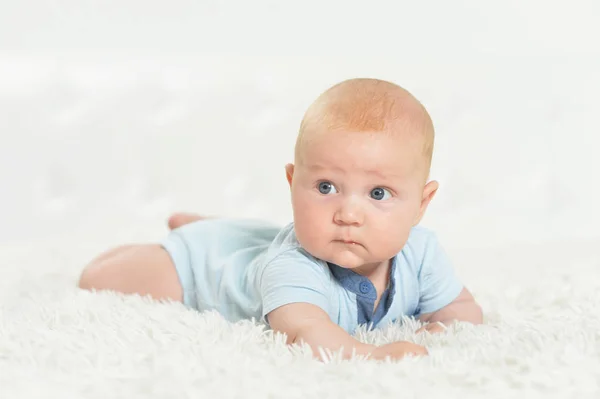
[284,240]
[420,235]
[421,240]
[286,250]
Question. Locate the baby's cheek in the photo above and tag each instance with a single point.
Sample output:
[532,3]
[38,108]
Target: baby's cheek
[389,247]
[307,232]
[391,240]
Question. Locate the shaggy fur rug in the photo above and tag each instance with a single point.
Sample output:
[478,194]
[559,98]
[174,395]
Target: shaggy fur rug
[541,337]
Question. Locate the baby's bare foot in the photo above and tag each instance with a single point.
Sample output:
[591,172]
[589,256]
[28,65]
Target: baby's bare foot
[177,220]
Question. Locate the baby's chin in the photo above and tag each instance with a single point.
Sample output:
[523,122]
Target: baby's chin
[346,258]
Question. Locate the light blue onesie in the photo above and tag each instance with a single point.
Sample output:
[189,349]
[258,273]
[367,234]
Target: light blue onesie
[245,269]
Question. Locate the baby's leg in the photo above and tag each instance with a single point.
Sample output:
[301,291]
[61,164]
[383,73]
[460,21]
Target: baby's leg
[145,269]
[110,253]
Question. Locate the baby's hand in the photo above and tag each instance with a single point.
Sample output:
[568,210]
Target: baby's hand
[397,350]
[432,328]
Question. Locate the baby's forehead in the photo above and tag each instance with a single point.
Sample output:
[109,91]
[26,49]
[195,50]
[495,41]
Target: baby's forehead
[402,138]
[378,152]
[406,129]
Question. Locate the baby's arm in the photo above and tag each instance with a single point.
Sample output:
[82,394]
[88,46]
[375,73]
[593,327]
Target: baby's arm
[443,298]
[463,308]
[310,324]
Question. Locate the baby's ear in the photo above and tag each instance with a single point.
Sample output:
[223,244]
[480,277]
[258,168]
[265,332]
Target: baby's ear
[428,192]
[289,172]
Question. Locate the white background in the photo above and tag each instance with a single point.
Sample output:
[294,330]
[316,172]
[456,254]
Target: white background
[115,113]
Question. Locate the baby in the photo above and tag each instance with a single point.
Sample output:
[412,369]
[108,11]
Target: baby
[354,254]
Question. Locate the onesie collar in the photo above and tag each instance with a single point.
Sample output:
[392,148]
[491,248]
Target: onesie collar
[358,284]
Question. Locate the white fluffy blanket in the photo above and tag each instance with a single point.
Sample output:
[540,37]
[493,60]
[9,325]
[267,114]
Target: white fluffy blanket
[541,338]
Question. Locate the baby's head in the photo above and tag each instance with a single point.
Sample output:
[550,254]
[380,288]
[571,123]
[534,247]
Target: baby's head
[359,183]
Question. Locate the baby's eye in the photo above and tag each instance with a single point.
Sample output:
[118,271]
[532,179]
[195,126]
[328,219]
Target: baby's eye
[380,194]
[326,187]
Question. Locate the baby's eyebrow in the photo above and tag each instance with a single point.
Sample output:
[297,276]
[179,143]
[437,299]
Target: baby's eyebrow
[381,175]
[319,167]
[384,175]
[374,172]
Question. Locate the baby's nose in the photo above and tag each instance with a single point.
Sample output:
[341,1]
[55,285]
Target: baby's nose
[350,212]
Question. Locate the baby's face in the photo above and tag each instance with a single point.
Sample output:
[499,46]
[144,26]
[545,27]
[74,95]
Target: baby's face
[357,195]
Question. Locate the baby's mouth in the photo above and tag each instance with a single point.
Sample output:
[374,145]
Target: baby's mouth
[347,242]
